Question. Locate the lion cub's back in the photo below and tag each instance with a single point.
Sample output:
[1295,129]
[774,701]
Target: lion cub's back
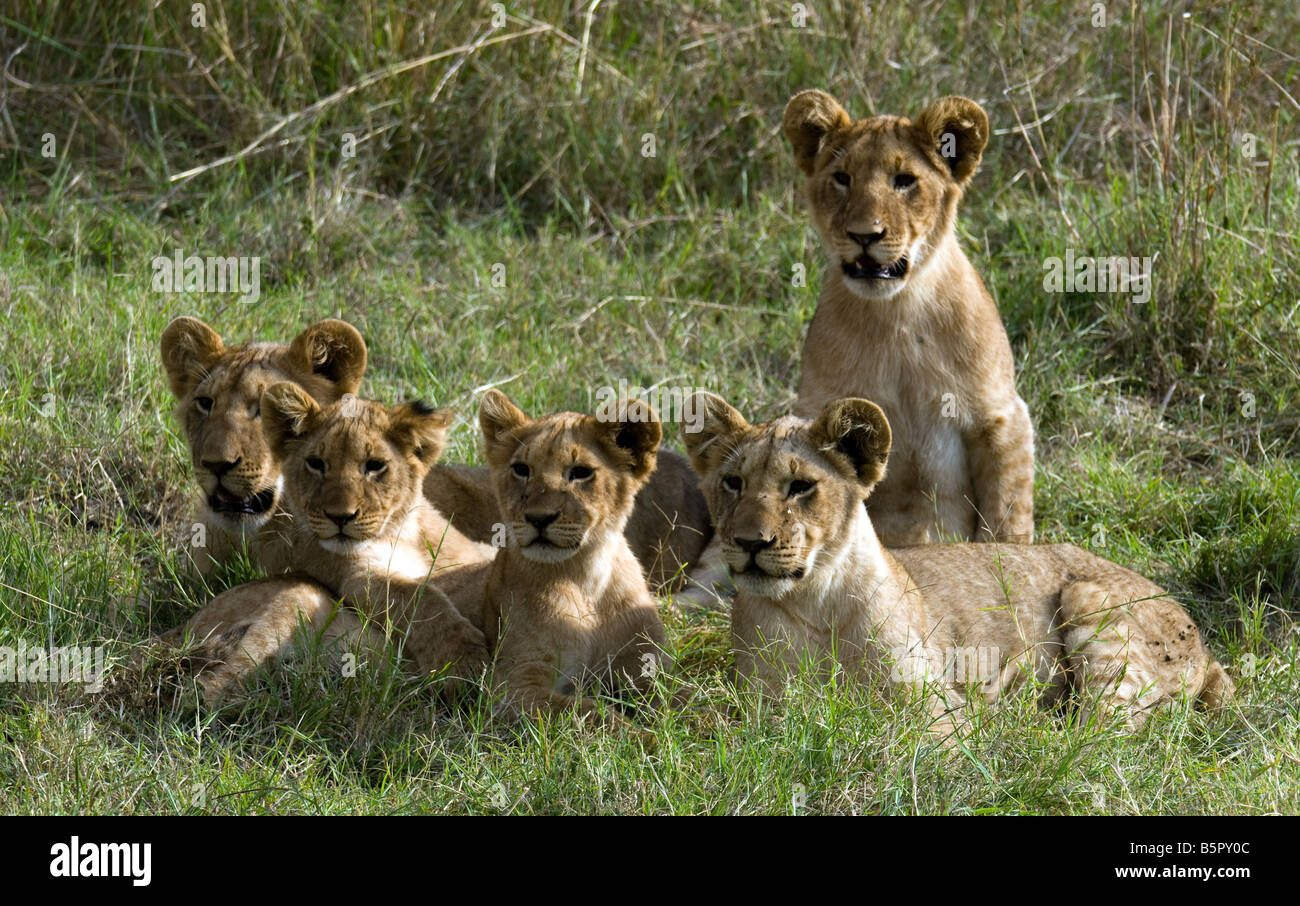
[968,586]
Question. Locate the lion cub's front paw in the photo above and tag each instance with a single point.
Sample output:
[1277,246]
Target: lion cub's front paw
[460,650]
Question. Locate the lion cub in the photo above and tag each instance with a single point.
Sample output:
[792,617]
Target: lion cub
[905,320]
[360,525]
[567,602]
[812,577]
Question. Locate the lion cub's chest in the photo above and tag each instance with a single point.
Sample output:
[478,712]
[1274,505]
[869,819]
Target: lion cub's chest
[907,370]
[537,610]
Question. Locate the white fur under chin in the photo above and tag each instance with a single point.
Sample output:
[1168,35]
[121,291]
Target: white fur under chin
[547,553]
[873,289]
[244,527]
[389,556]
[765,586]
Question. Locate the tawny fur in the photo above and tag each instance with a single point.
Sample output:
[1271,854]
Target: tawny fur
[567,604]
[360,525]
[813,580]
[928,346]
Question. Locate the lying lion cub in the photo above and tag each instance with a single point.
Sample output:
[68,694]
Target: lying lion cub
[361,526]
[905,320]
[812,578]
[567,603]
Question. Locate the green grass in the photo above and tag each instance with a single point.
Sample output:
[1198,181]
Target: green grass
[672,269]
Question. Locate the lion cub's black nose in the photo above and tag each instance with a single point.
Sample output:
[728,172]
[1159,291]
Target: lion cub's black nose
[540,521]
[218,467]
[754,545]
[342,519]
[867,239]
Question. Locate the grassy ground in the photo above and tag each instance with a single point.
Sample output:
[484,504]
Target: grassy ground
[1168,433]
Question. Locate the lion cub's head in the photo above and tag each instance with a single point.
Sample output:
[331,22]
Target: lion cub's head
[784,494]
[567,481]
[883,191]
[219,393]
[352,470]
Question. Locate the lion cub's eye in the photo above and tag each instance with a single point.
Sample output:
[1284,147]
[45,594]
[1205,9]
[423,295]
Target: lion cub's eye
[904,180]
[315,464]
[521,469]
[733,483]
[375,466]
[842,178]
[203,404]
[799,487]
[581,473]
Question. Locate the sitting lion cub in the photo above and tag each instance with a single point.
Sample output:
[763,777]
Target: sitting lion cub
[811,577]
[905,320]
[567,602]
[361,526]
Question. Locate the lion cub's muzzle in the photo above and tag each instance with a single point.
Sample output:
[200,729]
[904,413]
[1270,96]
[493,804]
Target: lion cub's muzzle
[541,537]
[762,558]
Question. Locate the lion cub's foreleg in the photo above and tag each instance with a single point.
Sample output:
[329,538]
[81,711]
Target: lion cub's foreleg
[1001,453]
[258,625]
[437,635]
[639,661]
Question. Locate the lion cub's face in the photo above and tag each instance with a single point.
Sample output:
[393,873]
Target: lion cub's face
[219,392]
[883,191]
[353,470]
[783,493]
[565,482]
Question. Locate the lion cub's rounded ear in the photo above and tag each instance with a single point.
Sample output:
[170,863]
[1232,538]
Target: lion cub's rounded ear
[709,430]
[497,417]
[633,428]
[189,347]
[956,129]
[420,430]
[287,413]
[333,350]
[857,431]
[809,117]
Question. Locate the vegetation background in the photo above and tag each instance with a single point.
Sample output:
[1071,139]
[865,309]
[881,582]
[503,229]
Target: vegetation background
[1168,433]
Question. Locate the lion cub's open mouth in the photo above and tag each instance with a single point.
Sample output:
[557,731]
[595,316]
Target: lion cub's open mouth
[864,267]
[223,501]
